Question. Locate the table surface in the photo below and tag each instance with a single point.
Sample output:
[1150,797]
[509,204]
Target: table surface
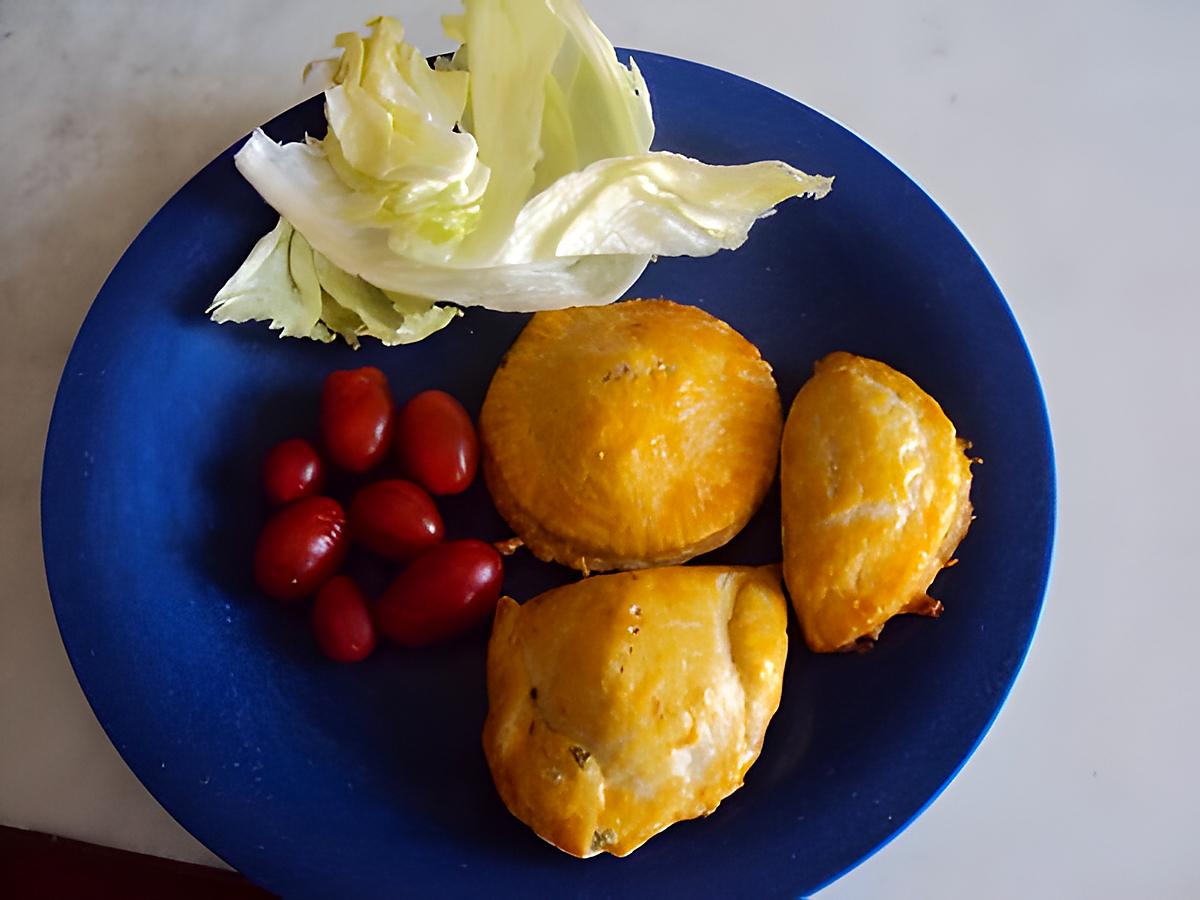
[1062,137]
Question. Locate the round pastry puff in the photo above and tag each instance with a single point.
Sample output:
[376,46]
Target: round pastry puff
[638,434]
[621,704]
[875,498]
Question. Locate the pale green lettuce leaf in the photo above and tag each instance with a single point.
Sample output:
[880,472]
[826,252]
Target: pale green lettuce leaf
[515,175]
[341,320]
[392,138]
[591,231]
[656,203]
[294,180]
[391,318]
[303,270]
[548,96]
[513,45]
[393,116]
[608,104]
[262,289]
[302,294]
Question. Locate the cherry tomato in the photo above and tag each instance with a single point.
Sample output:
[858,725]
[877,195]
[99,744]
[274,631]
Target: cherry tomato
[292,470]
[357,417]
[436,443]
[395,518]
[342,622]
[300,548]
[446,590]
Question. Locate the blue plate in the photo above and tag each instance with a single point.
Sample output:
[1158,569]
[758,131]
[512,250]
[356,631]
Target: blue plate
[316,779]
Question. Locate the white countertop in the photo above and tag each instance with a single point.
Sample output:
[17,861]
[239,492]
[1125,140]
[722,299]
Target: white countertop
[1062,137]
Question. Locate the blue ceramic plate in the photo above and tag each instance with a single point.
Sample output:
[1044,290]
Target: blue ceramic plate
[319,779]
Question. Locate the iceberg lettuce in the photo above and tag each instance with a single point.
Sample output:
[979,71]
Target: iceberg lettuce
[301,294]
[515,175]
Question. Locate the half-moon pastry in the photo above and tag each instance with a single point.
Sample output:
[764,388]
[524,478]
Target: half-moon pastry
[623,703]
[876,488]
[638,434]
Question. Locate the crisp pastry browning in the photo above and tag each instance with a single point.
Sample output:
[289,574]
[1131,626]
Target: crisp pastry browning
[626,436]
[623,703]
[876,491]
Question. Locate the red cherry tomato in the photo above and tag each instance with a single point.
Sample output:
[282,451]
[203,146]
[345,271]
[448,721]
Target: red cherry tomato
[342,622]
[292,470]
[357,417]
[300,548]
[446,590]
[436,443]
[395,518]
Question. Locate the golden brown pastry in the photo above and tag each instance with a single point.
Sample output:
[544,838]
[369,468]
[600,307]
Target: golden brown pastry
[622,704]
[875,499]
[632,435]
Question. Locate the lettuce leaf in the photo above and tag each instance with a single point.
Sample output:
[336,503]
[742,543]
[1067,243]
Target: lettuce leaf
[659,203]
[516,175]
[309,195]
[300,293]
[263,289]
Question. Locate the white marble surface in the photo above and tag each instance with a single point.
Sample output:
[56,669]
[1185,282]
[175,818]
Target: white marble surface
[1063,137]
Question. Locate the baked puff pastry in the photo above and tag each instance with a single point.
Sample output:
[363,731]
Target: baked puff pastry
[623,703]
[638,434]
[876,491]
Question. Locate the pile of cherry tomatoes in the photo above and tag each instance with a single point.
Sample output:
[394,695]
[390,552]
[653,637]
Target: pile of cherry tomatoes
[445,587]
